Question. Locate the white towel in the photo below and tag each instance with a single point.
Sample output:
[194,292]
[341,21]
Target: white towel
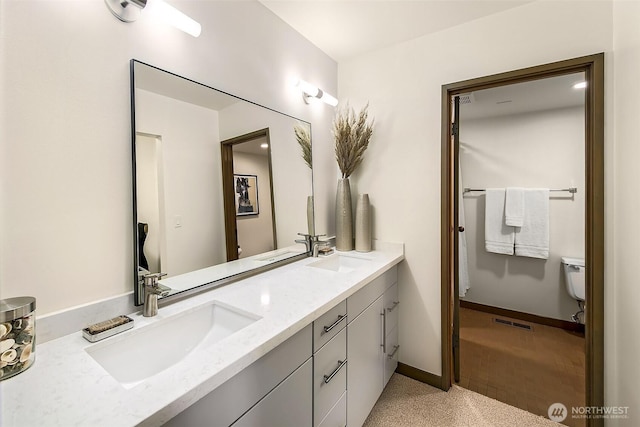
[498,237]
[532,239]
[514,207]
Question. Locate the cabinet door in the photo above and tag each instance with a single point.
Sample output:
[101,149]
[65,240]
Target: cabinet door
[391,309]
[289,404]
[366,358]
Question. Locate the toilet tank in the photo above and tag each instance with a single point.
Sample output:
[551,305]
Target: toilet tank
[574,277]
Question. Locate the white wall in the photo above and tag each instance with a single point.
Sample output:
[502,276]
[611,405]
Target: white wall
[403,84]
[192,180]
[623,293]
[539,149]
[65,127]
[255,232]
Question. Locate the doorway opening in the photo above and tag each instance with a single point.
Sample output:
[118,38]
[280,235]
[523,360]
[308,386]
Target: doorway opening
[592,206]
[249,210]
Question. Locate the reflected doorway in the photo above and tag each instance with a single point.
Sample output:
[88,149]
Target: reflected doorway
[249,209]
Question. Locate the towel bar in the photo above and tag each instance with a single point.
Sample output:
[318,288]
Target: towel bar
[572,190]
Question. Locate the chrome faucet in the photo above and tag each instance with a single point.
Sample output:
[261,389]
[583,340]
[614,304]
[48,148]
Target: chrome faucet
[151,291]
[316,247]
[307,241]
[312,243]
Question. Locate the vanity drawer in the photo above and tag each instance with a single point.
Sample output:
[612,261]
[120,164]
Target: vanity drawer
[362,299]
[391,308]
[391,357]
[329,375]
[329,324]
[337,417]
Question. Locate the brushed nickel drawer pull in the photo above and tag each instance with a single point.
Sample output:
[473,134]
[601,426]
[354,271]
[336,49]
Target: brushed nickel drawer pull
[334,324]
[393,353]
[395,304]
[384,330]
[329,377]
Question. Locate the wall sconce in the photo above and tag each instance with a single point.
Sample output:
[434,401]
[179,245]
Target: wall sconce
[129,11]
[310,91]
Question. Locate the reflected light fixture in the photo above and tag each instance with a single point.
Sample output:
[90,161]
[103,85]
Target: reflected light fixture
[310,91]
[580,85]
[264,145]
[129,11]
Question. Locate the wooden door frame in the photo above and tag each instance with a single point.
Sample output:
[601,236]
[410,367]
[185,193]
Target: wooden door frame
[593,67]
[228,195]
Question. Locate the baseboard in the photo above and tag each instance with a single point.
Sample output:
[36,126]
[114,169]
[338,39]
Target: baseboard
[420,375]
[534,318]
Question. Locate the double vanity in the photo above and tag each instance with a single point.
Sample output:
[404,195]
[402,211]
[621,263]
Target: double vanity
[310,343]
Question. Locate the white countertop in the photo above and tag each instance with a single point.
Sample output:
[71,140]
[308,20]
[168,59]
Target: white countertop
[67,387]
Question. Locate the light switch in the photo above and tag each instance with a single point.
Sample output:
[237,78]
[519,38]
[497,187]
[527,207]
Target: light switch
[178,221]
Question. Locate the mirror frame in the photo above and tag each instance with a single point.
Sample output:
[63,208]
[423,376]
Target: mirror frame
[138,286]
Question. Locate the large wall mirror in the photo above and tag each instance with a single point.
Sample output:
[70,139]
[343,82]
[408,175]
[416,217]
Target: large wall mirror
[221,187]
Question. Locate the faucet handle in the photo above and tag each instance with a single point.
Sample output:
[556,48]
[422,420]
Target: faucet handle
[152,279]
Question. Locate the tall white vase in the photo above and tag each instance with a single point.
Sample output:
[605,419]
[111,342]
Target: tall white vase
[344,219]
[363,224]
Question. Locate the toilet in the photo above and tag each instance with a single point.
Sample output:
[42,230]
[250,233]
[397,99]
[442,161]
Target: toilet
[574,279]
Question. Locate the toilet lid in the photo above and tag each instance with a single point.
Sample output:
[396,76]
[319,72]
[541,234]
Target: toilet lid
[573,261]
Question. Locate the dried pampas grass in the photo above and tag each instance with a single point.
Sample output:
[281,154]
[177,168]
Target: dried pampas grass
[352,133]
[304,139]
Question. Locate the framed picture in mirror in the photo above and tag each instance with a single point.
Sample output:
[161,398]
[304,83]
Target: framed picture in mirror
[246,189]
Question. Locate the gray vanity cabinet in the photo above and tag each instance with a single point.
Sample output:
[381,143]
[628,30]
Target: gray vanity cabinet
[330,374]
[275,390]
[371,339]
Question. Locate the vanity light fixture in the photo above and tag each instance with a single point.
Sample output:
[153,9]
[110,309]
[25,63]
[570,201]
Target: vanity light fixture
[129,11]
[580,85]
[310,91]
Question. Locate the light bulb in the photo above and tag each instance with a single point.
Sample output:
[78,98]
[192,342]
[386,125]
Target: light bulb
[172,16]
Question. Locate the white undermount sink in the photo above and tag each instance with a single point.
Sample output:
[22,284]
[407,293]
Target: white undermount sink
[136,355]
[341,263]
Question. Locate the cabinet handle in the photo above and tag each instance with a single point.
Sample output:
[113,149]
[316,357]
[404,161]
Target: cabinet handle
[393,353]
[334,324]
[384,331]
[329,377]
[393,307]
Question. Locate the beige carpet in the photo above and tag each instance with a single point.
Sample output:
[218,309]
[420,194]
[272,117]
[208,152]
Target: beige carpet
[406,402]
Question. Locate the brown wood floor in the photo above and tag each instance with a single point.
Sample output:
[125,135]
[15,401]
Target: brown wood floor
[527,369]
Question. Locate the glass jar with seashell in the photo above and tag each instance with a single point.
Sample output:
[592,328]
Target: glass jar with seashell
[17,335]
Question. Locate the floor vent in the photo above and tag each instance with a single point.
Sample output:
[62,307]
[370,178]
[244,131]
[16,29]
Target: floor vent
[512,323]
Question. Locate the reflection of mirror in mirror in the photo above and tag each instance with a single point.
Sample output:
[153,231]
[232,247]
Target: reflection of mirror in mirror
[185,133]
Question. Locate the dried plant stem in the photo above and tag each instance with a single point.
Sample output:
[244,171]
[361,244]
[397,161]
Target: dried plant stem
[304,139]
[352,134]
